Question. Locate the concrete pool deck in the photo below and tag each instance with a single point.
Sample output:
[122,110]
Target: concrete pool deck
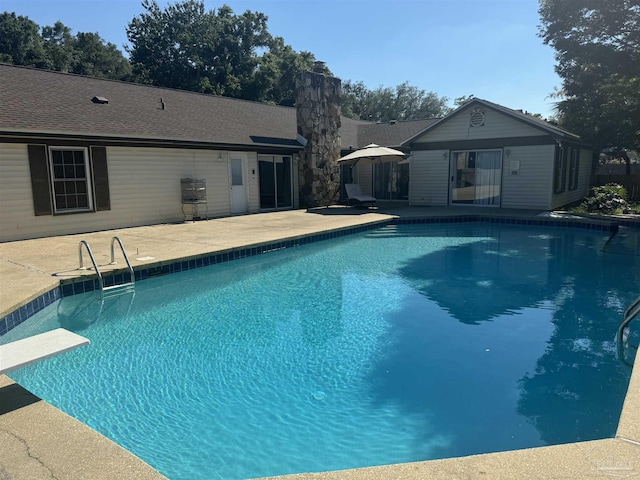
[39,441]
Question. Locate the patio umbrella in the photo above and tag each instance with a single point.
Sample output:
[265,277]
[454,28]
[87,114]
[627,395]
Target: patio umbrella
[373,153]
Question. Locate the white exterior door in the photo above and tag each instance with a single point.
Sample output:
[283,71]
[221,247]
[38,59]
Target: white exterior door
[237,177]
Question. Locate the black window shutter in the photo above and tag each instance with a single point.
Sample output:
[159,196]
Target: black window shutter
[100,178]
[40,185]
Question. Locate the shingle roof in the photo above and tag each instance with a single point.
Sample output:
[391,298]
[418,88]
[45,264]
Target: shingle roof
[349,133]
[39,101]
[36,101]
[392,134]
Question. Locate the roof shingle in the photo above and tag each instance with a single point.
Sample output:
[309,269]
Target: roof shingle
[36,101]
[39,101]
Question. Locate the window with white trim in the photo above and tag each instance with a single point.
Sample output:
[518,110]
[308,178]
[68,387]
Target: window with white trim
[70,179]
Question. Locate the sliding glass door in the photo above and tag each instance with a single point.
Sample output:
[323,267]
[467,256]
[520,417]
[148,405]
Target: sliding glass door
[391,181]
[276,188]
[476,177]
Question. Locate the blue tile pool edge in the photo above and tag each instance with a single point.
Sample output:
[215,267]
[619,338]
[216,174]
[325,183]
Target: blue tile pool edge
[77,285]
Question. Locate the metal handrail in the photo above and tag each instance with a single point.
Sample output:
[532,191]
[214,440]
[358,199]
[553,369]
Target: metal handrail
[95,265]
[93,261]
[126,258]
[631,312]
[633,304]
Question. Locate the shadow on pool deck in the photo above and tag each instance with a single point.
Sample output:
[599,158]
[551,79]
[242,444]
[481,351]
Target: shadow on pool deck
[15,397]
[39,441]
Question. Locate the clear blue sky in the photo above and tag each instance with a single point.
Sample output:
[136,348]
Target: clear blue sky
[488,48]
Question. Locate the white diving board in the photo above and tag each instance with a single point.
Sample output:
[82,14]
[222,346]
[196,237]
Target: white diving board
[39,347]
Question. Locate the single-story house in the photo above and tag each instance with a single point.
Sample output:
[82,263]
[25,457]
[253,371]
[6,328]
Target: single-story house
[82,154]
[481,154]
[486,154]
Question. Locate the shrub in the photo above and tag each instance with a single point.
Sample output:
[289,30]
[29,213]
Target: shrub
[610,198]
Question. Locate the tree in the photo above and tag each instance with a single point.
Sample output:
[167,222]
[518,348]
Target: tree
[354,98]
[58,46]
[96,58]
[597,48]
[20,41]
[275,78]
[459,101]
[57,49]
[186,47]
[404,102]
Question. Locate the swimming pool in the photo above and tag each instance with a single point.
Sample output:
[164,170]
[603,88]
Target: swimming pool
[404,343]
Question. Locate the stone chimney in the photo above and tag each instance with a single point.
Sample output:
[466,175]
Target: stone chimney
[318,116]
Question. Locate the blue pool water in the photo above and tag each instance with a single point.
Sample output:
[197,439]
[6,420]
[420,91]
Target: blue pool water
[400,344]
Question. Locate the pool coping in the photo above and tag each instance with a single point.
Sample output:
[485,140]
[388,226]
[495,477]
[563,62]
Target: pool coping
[627,435]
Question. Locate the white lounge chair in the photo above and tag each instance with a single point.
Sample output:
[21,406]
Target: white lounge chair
[355,196]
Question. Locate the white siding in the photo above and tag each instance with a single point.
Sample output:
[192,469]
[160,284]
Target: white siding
[532,186]
[144,185]
[16,203]
[497,125]
[253,184]
[429,177]
[584,179]
[364,176]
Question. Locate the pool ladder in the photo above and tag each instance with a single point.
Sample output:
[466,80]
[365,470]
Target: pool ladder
[624,331]
[117,288]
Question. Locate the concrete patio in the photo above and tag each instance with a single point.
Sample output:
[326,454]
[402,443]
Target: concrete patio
[39,441]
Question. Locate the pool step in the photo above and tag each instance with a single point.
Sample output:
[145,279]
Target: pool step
[407,230]
[120,289]
[390,231]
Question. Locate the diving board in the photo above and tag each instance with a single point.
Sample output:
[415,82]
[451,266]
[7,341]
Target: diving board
[39,347]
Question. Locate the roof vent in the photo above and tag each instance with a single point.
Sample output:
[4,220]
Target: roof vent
[100,100]
[392,122]
[477,118]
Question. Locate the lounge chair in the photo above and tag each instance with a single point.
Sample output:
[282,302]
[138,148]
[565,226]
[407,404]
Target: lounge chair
[355,197]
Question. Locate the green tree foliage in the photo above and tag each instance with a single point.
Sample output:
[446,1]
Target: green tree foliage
[184,46]
[55,48]
[20,41]
[354,98]
[597,46]
[58,47]
[96,58]
[275,78]
[187,47]
[459,101]
[404,102]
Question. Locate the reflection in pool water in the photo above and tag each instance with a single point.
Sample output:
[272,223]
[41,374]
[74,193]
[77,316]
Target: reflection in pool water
[401,344]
